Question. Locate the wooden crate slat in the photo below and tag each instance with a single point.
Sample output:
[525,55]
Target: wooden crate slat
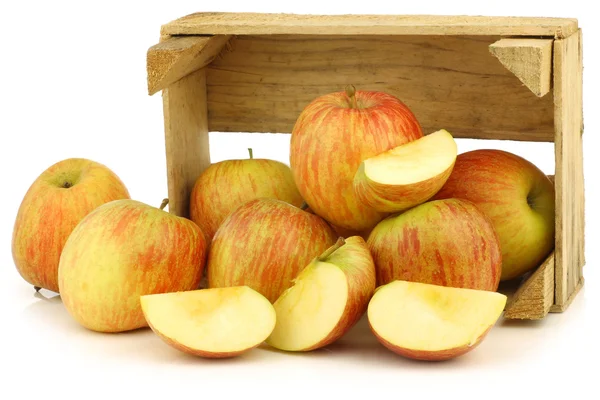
[529,59]
[449,82]
[186,138]
[176,57]
[569,167]
[535,296]
[268,24]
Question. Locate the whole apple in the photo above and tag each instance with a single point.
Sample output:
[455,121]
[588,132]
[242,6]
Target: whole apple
[54,204]
[264,244]
[330,139]
[121,251]
[226,185]
[518,198]
[444,242]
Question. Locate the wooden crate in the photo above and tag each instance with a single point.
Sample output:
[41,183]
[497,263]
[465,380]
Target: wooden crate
[478,77]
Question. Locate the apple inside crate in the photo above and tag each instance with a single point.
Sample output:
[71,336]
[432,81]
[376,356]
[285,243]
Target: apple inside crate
[503,78]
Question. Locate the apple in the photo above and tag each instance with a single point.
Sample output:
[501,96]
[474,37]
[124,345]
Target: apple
[54,204]
[123,250]
[327,299]
[264,244]
[212,323]
[332,136]
[407,175]
[444,242]
[226,185]
[432,323]
[518,198]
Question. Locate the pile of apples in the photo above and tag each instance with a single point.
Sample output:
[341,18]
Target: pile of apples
[370,217]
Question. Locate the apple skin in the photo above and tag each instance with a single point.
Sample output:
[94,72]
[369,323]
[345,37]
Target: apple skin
[329,141]
[440,355]
[444,242]
[121,251]
[264,244]
[50,211]
[226,185]
[500,183]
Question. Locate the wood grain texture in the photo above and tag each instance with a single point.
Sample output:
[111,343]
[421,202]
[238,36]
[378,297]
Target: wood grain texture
[529,59]
[214,23]
[535,295]
[569,167]
[449,82]
[560,308]
[173,58]
[186,138]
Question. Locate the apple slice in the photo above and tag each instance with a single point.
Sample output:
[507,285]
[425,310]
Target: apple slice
[213,323]
[407,175]
[328,297]
[429,322]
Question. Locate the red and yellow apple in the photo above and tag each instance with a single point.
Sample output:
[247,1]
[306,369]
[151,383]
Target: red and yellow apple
[518,198]
[123,250]
[226,185]
[264,244]
[445,242]
[432,323]
[327,299]
[407,175]
[54,204]
[330,139]
[212,323]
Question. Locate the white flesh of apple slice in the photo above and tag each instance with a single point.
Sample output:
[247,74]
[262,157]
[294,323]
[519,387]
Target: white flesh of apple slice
[218,322]
[309,311]
[429,318]
[413,162]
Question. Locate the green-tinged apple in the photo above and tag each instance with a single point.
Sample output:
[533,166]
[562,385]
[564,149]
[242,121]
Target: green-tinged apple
[264,244]
[123,250]
[330,139]
[430,322]
[516,195]
[407,175]
[212,323]
[445,242]
[54,204]
[226,185]
[328,297]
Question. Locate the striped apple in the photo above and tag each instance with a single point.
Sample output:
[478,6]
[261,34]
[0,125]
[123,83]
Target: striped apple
[330,139]
[444,242]
[55,203]
[264,244]
[121,251]
[226,185]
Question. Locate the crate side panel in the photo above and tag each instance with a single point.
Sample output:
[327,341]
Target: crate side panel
[569,167]
[450,82]
[186,137]
[272,23]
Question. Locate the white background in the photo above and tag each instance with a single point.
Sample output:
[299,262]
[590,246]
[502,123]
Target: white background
[74,85]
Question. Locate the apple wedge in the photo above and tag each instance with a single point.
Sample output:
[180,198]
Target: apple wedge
[407,175]
[328,297]
[429,322]
[213,323]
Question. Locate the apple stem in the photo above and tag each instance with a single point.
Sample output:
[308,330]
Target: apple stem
[250,152]
[351,93]
[164,204]
[340,242]
[37,288]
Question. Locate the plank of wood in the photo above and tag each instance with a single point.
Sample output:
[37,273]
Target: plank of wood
[529,59]
[173,58]
[449,82]
[186,138]
[569,167]
[214,23]
[535,296]
[561,308]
